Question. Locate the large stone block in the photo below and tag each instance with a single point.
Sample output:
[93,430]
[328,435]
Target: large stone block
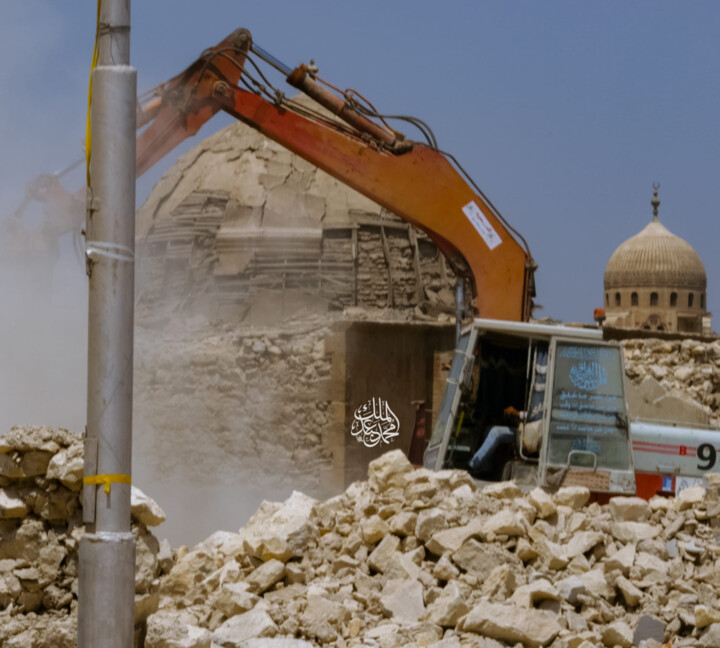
[240,628]
[402,600]
[480,559]
[67,467]
[629,509]
[509,623]
[165,630]
[389,470]
[284,531]
[11,505]
[145,509]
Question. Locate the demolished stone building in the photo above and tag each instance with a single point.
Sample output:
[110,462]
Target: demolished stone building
[273,301]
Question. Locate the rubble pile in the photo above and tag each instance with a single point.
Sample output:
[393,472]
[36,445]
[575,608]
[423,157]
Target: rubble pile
[215,401]
[416,558]
[690,368]
[41,471]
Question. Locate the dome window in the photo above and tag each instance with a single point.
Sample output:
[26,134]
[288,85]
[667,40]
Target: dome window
[673,299]
[634,299]
[702,301]
[653,299]
[607,299]
[691,299]
[617,299]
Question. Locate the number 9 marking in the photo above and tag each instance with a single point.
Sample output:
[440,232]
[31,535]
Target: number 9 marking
[706,452]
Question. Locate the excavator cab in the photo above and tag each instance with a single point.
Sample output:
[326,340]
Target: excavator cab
[541,404]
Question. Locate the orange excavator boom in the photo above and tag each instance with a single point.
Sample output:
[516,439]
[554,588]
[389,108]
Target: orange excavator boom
[415,181]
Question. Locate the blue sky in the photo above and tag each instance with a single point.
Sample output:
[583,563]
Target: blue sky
[563,112]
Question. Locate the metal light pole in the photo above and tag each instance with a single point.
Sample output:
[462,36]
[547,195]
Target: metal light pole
[107,550]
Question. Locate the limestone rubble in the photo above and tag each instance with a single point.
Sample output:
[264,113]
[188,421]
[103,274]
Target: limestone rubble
[41,472]
[415,558]
[408,558]
[672,373]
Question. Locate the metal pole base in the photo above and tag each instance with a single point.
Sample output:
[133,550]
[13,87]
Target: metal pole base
[106,601]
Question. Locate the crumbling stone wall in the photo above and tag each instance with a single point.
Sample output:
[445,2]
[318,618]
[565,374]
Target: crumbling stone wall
[41,473]
[227,416]
[255,392]
[689,368]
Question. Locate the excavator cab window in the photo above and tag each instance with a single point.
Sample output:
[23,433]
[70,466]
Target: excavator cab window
[493,398]
[588,423]
[492,408]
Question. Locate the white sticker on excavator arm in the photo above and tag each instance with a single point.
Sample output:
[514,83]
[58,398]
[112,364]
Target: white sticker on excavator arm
[482,225]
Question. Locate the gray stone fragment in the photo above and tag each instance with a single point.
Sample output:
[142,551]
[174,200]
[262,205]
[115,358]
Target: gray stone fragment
[429,522]
[649,627]
[571,588]
[67,467]
[711,638]
[379,559]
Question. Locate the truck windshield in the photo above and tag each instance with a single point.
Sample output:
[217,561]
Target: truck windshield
[588,420]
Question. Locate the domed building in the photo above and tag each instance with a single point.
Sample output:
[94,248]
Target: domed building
[272,302]
[655,281]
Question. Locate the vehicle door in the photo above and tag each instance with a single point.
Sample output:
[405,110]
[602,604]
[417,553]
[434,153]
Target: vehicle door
[459,377]
[586,440]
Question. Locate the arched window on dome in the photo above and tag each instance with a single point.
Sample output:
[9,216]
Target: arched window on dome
[634,299]
[702,301]
[617,299]
[691,299]
[673,299]
[607,299]
[653,299]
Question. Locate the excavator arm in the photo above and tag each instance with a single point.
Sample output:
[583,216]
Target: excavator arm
[412,180]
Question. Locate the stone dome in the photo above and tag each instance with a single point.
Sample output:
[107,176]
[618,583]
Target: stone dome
[656,258]
[244,228]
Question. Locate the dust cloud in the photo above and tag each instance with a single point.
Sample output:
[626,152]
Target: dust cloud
[43,331]
[224,414]
[227,415]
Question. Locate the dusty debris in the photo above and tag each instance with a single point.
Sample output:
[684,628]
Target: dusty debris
[674,379]
[40,529]
[585,575]
[387,564]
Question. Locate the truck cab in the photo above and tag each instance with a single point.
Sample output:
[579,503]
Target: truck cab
[542,404]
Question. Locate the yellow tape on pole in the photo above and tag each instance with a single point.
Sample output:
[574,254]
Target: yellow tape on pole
[88,132]
[106,480]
